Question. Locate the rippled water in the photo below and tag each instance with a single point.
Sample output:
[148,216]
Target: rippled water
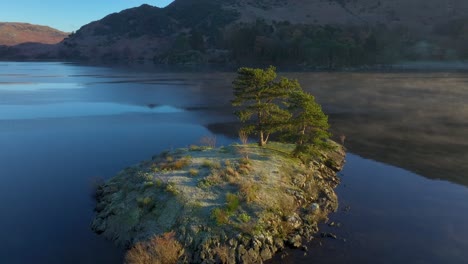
[64,125]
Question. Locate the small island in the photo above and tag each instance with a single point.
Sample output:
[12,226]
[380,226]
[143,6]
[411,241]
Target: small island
[236,204]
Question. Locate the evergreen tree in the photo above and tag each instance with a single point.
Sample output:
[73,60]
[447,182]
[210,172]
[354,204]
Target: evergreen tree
[308,126]
[260,98]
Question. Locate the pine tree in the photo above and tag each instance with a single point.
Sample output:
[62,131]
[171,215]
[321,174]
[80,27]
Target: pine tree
[260,98]
[308,126]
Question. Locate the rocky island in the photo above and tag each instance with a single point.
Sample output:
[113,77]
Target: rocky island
[235,204]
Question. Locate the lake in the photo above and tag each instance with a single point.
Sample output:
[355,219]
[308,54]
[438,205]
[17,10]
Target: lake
[63,126]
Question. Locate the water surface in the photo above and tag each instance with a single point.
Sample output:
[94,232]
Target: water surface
[64,125]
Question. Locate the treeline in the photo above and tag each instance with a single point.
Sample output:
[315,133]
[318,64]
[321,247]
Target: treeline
[313,45]
[283,43]
[320,46]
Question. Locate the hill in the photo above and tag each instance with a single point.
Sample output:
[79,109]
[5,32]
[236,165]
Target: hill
[317,33]
[16,33]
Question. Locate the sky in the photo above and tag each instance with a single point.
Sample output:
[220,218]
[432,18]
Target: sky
[66,15]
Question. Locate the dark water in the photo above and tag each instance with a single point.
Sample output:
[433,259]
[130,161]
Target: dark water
[64,125]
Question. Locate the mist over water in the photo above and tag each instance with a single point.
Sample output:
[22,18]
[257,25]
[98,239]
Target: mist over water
[64,125]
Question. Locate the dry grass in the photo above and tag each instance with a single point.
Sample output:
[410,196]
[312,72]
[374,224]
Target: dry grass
[243,151]
[248,190]
[211,164]
[231,175]
[193,172]
[172,164]
[163,249]
[286,205]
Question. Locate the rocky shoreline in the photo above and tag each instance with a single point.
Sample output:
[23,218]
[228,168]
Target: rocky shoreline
[236,204]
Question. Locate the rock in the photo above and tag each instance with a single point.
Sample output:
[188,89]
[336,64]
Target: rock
[295,221]
[232,243]
[250,257]
[329,235]
[314,207]
[295,241]
[266,254]
[279,243]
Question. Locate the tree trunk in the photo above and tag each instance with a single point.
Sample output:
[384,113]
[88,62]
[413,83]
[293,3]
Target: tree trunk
[261,141]
[266,138]
[301,140]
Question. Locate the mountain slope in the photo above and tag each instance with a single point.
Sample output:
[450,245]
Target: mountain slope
[318,33]
[17,33]
[420,14]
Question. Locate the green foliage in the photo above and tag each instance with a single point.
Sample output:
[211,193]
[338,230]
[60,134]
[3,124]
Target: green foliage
[220,216]
[171,188]
[269,106]
[308,125]
[259,96]
[232,201]
[244,217]
[197,148]
[148,184]
[145,202]
[315,45]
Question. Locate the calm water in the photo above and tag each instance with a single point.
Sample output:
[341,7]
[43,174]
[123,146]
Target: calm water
[63,125]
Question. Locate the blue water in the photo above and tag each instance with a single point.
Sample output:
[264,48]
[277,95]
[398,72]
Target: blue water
[62,126]
[390,215]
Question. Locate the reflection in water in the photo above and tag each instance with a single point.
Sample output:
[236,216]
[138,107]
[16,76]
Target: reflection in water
[25,86]
[389,215]
[418,121]
[59,110]
[53,141]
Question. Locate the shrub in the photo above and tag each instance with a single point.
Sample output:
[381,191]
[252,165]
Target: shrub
[164,249]
[145,202]
[244,217]
[232,202]
[220,216]
[170,187]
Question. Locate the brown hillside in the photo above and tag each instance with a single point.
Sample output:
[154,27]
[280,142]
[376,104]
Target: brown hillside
[15,33]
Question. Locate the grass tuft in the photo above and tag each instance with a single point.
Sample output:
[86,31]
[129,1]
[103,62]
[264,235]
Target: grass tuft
[164,249]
